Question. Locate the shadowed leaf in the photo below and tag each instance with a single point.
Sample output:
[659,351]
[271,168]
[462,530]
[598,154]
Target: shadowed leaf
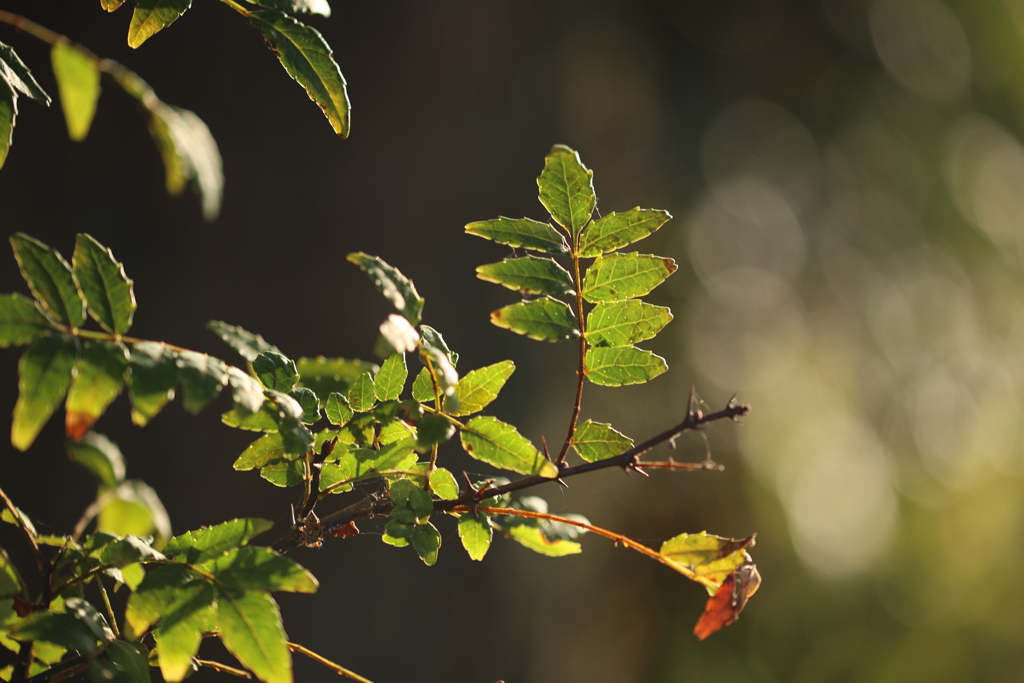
[247,344]
[521,232]
[251,630]
[153,377]
[544,319]
[49,277]
[389,281]
[78,82]
[297,6]
[100,456]
[108,292]
[98,379]
[19,76]
[21,320]
[44,374]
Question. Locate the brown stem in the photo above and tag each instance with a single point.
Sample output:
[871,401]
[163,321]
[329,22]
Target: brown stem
[41,562]
[582,369]
[338,669]
[223,668]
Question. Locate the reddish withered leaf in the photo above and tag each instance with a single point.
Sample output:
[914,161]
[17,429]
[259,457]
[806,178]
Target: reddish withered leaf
[77,424]
[728,601]
[345,531]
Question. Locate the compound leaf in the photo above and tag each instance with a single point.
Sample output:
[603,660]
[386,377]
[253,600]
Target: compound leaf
[595,441]
[306,57]
[389,281]
[44,374]
[251,630]
[78,82]
[497,443]
[625,276]
[567,189]
[521,232]
[152,16]
[544,319]
[21,320]
[98,378]
[624,323]
[616,230]
[478,388]
[528,274]
[49,277]
[615,366]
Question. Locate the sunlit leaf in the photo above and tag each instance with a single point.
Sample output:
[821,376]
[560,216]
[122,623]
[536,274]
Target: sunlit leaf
[389,281]
[21,320]
[98,378]
[61,629]
[202,378]
[615,366]
[251,630]
[154,15]
[625,276]
[475,534]
[528,274]
[360,462]
[534,539]
[100,456]
[326,375]
[423,387]
[247,344]
[479,387]
[497,443]
[426,541]
[443,484]
[361,396]
[49,277]
[616,230]
[262,452]
[623,323]
[19,76]
[133,508]
[203,544]
[338,410]
[259,569]
[390,381]
[521,232]
[153,377]
[706,558]
[306,57]
[595,441]
[44,374]
[275,371]
[297,6]
[288,414]
[567,189]
[111,5]
[544,319]
[78,82]
[169,591]
[309,402]
[246,391]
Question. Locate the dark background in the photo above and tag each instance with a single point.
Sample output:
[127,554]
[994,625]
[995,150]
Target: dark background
[845,266]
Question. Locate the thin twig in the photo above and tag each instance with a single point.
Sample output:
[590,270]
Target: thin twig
[41,563]
[222,668]
[110,610]
[582,369]
[338,669]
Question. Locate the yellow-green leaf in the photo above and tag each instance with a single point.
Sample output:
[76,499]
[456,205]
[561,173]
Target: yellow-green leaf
[623,323]
[78,82]
[478,388]
[596,441]
[544,319]
[615,366]
[528,274]
[251,630]
[497,443]
[616,230]
[567,189]
[521,232]
[154,15]
[44,374]
[98,379]
[617,277]
[705,558]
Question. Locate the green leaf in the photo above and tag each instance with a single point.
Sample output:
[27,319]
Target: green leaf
[284,473]
[8,115]
[10,581]
[389,281]
[433,429]
[263,420]
[624,323]
[306,57]
[209,542]
[122,662]
[523,232]
[426,541]
[21,320]
[202,378]
[625,276]
[534,539]
[616,366]
[616,230]
[111,5]
[394,431]
[100,456]
[309,402]
[108,292]
[60,629]
[297,6]
[326,375]
[259,569]
[567,189]
[390,381]
[78,82]
[443,358]
[275,371]
[262,452]
[251,630]
[443,484]
[171,592]
[412,504]
[247,344]
[360,462]
[154,374]
[98,378]
[361,396]
[133,508]
[528,274]
[14,72]
[288,414]
[121,552]
[153,15]
[246,391]
[338,410]
[397,534]
[423,386]
[49,277]
[181,628]
[475,534]
[44,374]
[705,558]
[492,441]
[544,319]
[479,387]
[595,441]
